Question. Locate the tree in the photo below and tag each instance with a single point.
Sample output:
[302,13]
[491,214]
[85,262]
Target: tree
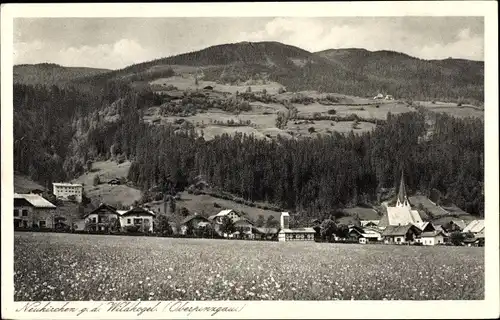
[249,89]
[114,225]
[342,231]
[89,165]
[227,226]
[457,238]
[184,212]
[272,223]
[281,120]
[97,180]
[327,229]
[260,221]
[311,130]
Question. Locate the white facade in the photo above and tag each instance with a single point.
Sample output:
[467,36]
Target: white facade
[142,221]
[432,241]
[64,190]
[287,234]
[227,213]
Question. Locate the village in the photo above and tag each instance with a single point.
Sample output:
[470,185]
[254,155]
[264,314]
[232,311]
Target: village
[400,224]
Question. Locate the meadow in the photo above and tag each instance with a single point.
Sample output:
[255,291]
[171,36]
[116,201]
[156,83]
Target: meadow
[99,267]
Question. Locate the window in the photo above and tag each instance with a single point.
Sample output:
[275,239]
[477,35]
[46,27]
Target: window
[137,221]
[42,224]
[25,213]
[129,221]
[16,213]
[93,220]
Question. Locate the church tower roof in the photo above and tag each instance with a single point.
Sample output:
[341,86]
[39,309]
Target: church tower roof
[402,199]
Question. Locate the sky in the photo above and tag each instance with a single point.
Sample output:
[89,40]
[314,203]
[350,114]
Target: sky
[114,43]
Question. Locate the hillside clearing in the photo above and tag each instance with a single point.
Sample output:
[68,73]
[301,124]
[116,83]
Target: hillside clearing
[111,194]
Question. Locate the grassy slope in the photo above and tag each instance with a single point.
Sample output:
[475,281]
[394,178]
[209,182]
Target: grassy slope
[23,184]
[111,194]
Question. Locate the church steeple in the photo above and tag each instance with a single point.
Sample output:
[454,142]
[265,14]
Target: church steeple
[402,200]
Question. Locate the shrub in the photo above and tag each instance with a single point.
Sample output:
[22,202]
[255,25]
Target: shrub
[97,180]
[281,90]
[332,111]
[311,130]
[216,205]
[131,229]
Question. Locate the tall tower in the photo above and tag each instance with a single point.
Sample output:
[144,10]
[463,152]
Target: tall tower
[402,200]
[285,220]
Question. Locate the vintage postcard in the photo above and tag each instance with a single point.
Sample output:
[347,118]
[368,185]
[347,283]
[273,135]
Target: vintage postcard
[250,160]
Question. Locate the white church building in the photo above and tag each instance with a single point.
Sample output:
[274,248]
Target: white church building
[401,214]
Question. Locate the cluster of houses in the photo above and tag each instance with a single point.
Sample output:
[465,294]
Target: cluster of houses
[382,97]
[400,224]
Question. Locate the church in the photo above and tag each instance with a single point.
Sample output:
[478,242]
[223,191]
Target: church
[401,214]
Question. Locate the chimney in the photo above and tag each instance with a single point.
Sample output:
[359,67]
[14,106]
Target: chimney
[285,220]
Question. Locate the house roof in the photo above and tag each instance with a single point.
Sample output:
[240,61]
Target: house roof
[459,223]
[400,216]
[243,221]
[397,230]
[212,217]
[298,230]
[193,216]
[102,206]
[367,222]
[266,230]
[35,200]
[66,184]
[474,226]
[137,211]
[224,212]
[430,234]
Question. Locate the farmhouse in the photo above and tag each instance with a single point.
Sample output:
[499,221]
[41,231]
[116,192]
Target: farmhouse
[192,223]
[401,214]
[33,210]
[138,217]
[378,96]
[235,216]
[297,234]
[208,88]
[365,235]
[264,233]
[370,223]
[400,234]
[64,190]
[101,218]
[245,228]
[455,225]
[431,238]
[476,241]
[475,227]
[389,97]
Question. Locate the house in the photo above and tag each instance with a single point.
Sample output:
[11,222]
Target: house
[101,218]
[389,97]
[265,233]
[378,96]
[426,226]
[454,225]
[370,223]
[64,190]
[476,241]
[193,223]
[245,227]
[31,210]
[208,88]
[365,235]
[474,227]
[401,214]
[400,234]
[235,216]
[296,234]
[431,238]
[139,217]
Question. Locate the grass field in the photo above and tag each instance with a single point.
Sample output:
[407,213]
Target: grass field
[98,267]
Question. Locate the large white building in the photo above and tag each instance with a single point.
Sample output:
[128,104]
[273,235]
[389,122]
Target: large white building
[401,214]
[296,234]
[64,190]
